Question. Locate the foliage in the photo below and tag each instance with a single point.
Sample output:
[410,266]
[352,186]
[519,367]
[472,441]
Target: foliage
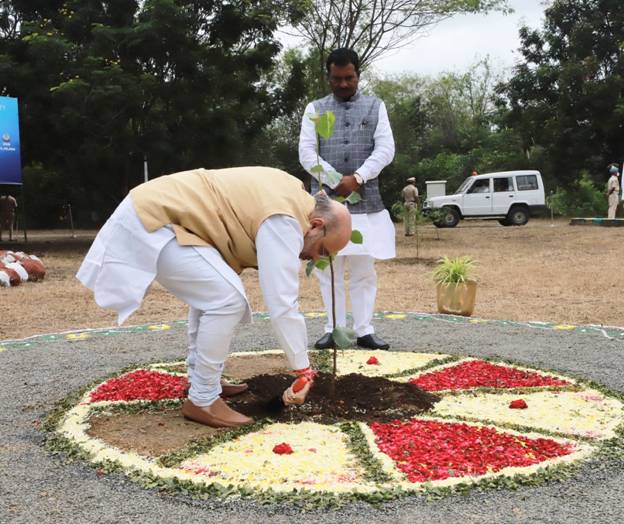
[397,211]
[446,127]
[583,199]
[103,85]
[567,94]
[454,270]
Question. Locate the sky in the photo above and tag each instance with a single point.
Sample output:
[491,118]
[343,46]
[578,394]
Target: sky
[457,43]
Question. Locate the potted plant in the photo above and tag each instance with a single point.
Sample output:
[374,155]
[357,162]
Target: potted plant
[455,286]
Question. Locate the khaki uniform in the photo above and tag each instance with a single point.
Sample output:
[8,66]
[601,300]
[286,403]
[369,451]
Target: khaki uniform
[613,191]
[410,200]
[8,204]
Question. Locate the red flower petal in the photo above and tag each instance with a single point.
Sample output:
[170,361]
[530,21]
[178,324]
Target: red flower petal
[518,404]
[283,449]
[372,360]
[477,373]
[141,385]
[428,450]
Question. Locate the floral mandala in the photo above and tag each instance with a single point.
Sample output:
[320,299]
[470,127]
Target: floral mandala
[494,423]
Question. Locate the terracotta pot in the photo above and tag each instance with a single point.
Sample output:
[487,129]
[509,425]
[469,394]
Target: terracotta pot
[457,299]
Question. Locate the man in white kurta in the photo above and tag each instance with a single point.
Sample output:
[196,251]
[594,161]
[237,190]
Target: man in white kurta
[360,147]
[613,191]
[194,232]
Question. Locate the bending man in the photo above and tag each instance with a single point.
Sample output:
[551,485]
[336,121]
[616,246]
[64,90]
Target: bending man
[194,232]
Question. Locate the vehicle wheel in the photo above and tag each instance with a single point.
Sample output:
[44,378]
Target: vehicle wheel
[518,216]
[450,219]
[504,222]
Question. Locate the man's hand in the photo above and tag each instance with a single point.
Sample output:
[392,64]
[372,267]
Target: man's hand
[297,392]
[347,185]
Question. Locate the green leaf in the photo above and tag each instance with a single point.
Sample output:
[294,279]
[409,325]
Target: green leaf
[309,267]
[356,237]
[322,263]
[340,199]
[454,270]
[333,178]
[325,124]
[343,337]
[318,168]
[354,198]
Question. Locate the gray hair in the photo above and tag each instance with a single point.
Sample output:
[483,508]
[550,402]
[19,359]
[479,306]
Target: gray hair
[324,208]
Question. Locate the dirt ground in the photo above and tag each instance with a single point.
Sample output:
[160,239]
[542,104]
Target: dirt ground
[542,271]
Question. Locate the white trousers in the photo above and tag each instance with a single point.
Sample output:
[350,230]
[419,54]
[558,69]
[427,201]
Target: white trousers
[216,308]
[362,290]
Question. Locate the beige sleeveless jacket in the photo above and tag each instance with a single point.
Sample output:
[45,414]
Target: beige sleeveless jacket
[223,208]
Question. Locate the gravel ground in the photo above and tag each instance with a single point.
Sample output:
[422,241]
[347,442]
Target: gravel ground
[38,487]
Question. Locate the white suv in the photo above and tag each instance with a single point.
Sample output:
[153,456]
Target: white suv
[510,196]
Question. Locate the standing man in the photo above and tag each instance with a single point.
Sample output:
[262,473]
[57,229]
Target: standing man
[8,204]
[194,232]
[360,147]
[410,201]
[613,191]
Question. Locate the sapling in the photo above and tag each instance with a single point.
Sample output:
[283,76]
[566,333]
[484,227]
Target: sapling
[324,126]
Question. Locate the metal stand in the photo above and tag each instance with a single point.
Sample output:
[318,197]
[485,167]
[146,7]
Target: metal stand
[24,215]
[68,213]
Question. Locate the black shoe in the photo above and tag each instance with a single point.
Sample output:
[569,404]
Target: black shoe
[325,342]
[372,342]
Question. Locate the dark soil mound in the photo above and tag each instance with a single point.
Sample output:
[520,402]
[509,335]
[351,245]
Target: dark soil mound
[356,397]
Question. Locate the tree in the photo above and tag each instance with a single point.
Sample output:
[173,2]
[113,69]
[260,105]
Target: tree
[567,96]
[374,27]
[104,84]
[445,127]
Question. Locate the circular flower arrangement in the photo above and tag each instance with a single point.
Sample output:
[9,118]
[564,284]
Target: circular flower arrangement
[490,423]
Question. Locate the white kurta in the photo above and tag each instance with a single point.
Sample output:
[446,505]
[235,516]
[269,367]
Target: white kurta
[123,262]
[376,228]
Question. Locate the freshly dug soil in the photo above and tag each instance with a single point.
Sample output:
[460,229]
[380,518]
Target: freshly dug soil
[356,398]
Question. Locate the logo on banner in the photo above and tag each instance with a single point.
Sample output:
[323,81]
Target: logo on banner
[6,137]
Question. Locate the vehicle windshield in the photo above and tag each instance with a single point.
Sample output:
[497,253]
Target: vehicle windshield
[464,185]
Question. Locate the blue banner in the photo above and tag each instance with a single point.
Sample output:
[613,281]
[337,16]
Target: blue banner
[10,161]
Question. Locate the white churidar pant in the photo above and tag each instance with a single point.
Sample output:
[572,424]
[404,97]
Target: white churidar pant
[362,290]
[379,243]
[216,308]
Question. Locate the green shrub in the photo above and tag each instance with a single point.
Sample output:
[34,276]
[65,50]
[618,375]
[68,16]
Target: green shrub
[584,199]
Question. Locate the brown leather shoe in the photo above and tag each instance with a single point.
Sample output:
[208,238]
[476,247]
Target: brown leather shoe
[230,390]
[217,415]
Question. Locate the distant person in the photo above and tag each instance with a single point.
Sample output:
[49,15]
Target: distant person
[613,191]
[194,232]
[474,173]
[410,201]
[359,149]
[8,205]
